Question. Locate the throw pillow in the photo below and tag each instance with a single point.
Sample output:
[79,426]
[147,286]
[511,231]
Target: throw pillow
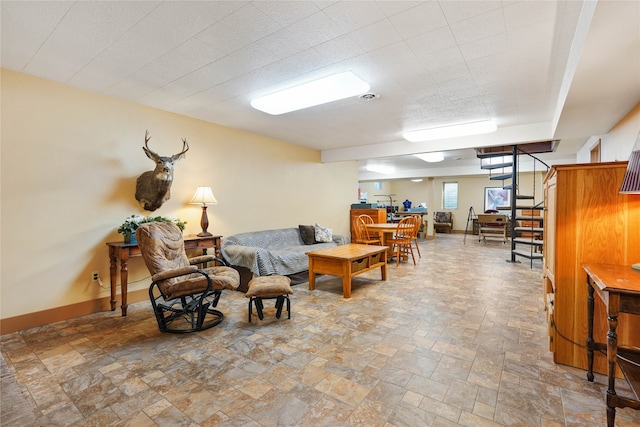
[308,234]
[323,234]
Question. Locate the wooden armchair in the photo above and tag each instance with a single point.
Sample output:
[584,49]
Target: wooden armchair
[443,222]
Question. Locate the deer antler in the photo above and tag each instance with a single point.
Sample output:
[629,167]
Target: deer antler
[184,144]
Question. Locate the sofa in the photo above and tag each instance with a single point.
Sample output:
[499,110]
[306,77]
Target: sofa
[282,251]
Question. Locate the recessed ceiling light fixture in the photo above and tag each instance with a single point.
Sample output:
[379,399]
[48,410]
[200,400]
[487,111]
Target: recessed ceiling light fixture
[322,91]
[465,129]
[430,157]
[416,180]
[380,168]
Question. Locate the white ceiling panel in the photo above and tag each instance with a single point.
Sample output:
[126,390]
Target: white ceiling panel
[432,63]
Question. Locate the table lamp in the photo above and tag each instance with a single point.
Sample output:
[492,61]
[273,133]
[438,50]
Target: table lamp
[631,181]
[204,196]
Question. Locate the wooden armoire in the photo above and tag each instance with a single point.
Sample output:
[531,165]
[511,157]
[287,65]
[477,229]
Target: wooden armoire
[586,220]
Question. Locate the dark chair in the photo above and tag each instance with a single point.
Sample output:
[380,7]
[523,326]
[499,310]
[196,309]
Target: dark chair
[443,221]
[182,295]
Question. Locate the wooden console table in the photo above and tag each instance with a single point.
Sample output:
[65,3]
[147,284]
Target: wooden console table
[618,287]
[123,251]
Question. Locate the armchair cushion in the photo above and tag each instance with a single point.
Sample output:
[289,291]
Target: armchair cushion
[165,256]
[443,217]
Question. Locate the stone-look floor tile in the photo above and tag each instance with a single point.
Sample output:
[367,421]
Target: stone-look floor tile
[441,409]
[343,389]
[457,340]
[327,411]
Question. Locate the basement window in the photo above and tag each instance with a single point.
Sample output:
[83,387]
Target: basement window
[450,195]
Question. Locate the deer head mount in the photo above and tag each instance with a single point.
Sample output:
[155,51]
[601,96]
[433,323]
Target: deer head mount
[153,187]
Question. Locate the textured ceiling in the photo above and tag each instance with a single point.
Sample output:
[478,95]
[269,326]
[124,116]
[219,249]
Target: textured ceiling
[432,63]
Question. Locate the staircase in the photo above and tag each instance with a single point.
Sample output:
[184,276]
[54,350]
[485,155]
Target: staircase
[527,224]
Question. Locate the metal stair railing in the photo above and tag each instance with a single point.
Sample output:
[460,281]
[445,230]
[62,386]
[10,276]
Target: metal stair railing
[535,230]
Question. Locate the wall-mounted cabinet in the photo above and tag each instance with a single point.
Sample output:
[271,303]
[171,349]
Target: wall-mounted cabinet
[587,220]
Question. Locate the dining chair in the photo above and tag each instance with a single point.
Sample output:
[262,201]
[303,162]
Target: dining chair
[402,240]
[418,223]
[366,218]
[362,234]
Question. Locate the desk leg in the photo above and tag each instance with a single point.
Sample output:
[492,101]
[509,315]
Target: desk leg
[124,277]
[590,342]
[113,269]
[312,275]
[612,350]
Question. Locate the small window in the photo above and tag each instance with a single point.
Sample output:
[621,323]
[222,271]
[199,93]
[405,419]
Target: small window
[450,195]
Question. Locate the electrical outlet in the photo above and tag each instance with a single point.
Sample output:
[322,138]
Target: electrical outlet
[95,276]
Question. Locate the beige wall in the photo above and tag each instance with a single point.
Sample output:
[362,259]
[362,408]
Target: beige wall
[618,143]
[70,159]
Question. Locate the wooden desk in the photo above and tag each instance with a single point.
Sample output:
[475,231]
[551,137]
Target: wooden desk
[346,261]
[123,251]
[618,287]
[492,225]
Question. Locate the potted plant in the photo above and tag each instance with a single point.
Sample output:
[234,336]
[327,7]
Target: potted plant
[130,225]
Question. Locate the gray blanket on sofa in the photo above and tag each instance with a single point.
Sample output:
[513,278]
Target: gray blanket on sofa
[268,252]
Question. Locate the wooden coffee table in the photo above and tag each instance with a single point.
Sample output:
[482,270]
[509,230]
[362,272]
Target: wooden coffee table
[347,261]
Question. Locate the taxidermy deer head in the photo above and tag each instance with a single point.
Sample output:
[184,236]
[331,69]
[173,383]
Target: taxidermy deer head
[153,187]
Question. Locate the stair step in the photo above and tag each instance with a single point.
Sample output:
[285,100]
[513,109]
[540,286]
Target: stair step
[529,218]
[530,208]
[527,255]
[496,166]
[528,241]
[524,197]
[490,154]
[530,229]
[500,177]
[508,187]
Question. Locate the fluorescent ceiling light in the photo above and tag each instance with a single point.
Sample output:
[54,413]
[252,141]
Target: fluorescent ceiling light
[416,180]
[381,169]
[430,157]
[322,91]
[475,128]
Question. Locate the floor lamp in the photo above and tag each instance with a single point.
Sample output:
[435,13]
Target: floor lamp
[204,196]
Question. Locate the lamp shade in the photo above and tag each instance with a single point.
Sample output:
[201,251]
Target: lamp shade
[631,181]
[204,196]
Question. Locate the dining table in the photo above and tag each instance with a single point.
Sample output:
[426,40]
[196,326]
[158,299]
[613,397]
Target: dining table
[385,231]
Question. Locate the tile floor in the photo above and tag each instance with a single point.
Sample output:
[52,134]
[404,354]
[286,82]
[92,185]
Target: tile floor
[458,340]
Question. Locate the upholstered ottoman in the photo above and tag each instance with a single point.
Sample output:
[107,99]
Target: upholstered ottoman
[269,287]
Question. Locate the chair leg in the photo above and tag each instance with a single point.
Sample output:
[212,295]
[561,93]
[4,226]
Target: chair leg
[279,304]
[418,248]
[412,256]
[259,307]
